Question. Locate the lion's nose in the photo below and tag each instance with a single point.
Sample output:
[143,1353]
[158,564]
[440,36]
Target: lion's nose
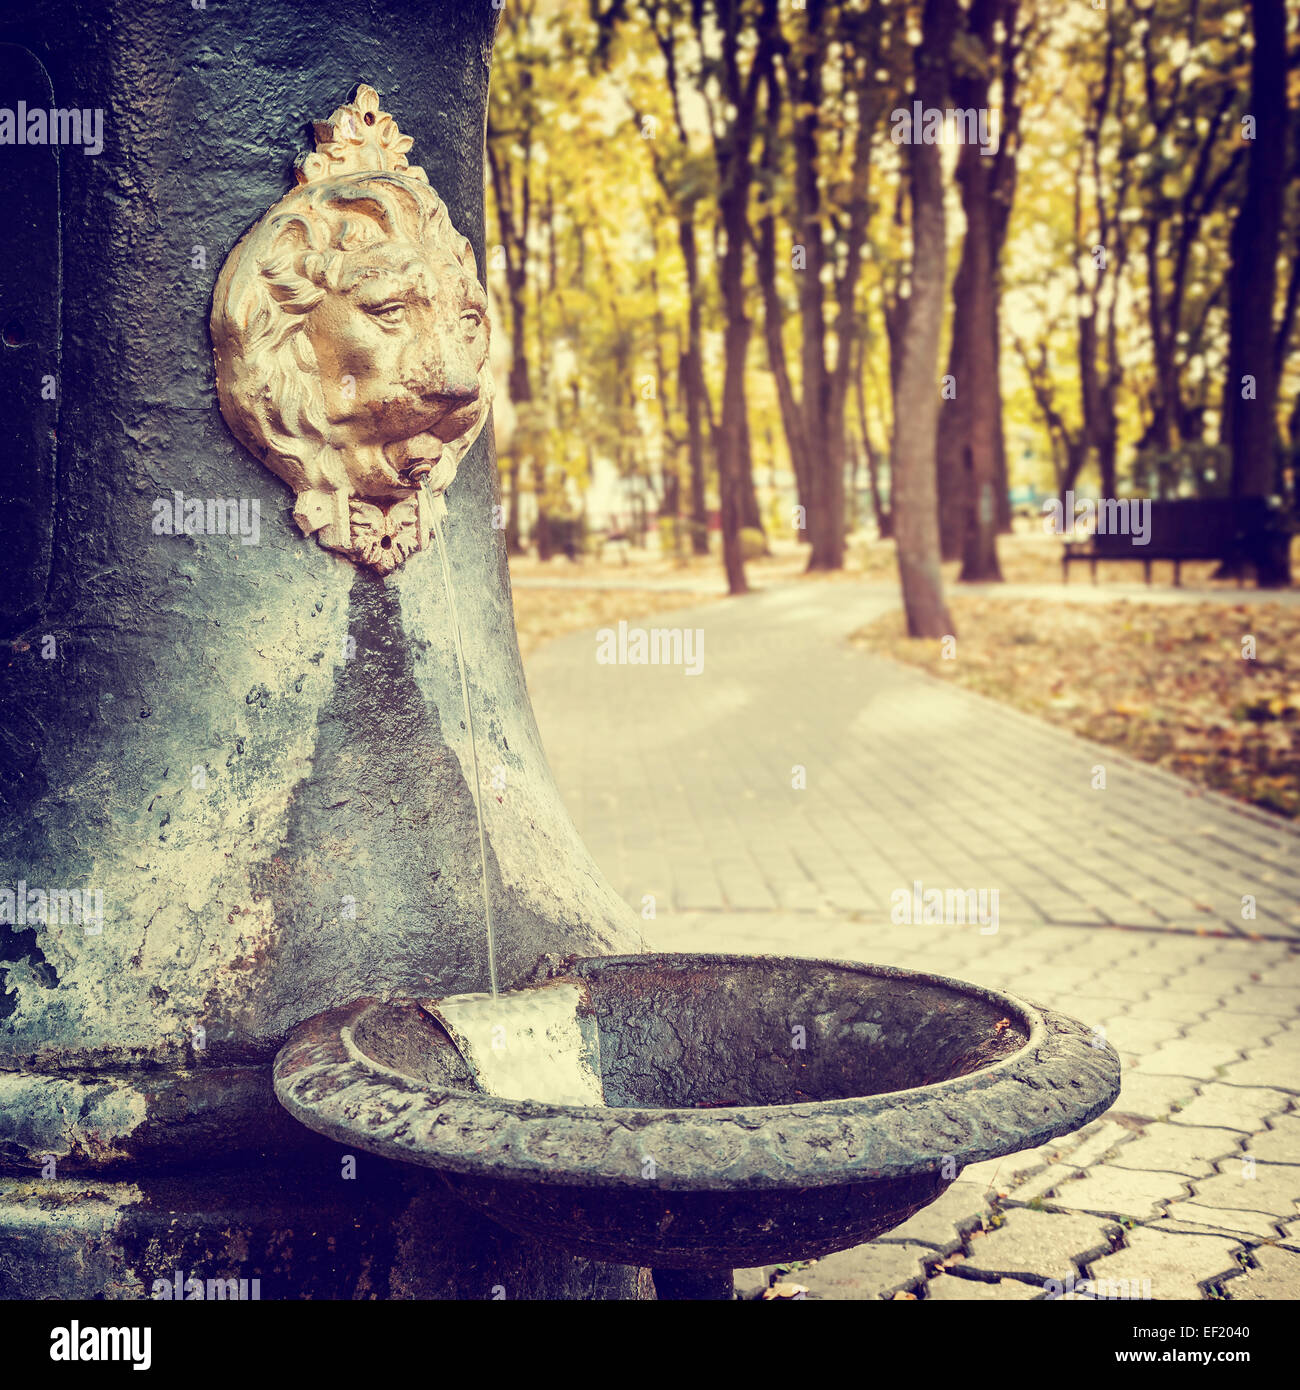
[452,381]
[458,388]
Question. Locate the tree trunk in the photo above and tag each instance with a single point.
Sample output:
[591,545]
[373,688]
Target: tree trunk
[916,406]
[825,442]
[884,519]
[751,515]
[773,318]
[1003,194]
[978,386]
[884,525]
[733,204]
[1166,378]
[693,388]
[730,431]
[512,510]
[1253,280]
[980,533]
[952,445]
[542,527]
[1002,477]
[514,227]
[988,185]
[733,154]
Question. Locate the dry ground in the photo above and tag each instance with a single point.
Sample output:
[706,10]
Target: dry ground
[1166,683]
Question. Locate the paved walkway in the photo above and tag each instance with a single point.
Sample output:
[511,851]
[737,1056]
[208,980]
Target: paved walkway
[779,800]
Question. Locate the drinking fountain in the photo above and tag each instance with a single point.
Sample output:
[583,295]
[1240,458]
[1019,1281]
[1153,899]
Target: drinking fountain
[299,775]
[755,1109]
[247,748]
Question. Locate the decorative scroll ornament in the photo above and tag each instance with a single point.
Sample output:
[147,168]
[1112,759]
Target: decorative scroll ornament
[351,341]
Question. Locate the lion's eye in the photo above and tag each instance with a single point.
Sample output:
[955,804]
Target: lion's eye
[471,319]
[391,313]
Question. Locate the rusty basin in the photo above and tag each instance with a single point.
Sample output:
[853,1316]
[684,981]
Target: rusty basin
[758,1108]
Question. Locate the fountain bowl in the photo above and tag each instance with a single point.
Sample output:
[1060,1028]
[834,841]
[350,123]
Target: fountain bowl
[758,1108]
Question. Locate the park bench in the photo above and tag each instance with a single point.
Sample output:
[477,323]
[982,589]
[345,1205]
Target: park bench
[1237,530]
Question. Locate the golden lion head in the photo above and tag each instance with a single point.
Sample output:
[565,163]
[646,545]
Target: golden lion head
[351,340]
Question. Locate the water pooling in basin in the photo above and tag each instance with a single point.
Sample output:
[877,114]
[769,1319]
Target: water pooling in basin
[534,1044]
[438,509]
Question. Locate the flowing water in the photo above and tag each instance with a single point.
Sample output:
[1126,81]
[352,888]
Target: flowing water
[438,508]
[532,1044]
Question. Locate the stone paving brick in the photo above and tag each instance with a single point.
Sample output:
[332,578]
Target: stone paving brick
[1184,1149]
[1266,1065]
[1191,1216]
[1264,999]
[1233,1107]
[865,1272]
[1275,1275]
[1252,954]
[1116,984]
[1280,1143]
[1162,962]
[1283,973]
[1092,1144]
[1186,1008]
[1152,1097]
[1200,1061]
[1240,1031]
[943,1225]
[1273,1188]
[1137,1036]
[1077,1006]
[1004,1174]
[1209,979]
[1037,1245]
[1054,978]
[947,1288]
[750,1283]
[1129,1193]
[1090,1007]
[1176,1266]
[1110,948]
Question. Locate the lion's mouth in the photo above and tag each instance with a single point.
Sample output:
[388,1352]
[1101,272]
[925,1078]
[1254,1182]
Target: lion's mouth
[415,458]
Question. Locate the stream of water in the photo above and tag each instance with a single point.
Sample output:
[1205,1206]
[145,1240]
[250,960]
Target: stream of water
[438,509]
[536,1044]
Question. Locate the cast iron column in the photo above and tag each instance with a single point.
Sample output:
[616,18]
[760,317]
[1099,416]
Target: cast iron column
[255,752]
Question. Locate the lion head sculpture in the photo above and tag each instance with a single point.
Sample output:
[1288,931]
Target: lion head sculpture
[351,340]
